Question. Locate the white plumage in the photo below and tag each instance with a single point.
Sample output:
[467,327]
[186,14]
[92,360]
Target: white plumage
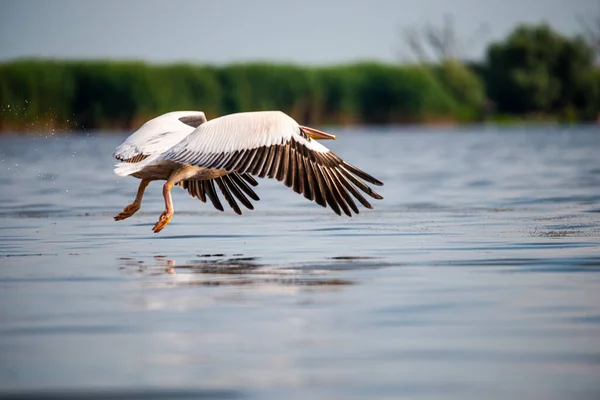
[160,133]
[243,131]
[183,148]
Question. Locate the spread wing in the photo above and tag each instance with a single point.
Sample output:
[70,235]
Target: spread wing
[232,186]
[271,144]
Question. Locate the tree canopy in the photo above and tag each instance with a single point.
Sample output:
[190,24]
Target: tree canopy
[537,70]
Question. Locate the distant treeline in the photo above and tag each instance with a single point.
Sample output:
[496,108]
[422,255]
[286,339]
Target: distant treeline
[98,94]
[534,73]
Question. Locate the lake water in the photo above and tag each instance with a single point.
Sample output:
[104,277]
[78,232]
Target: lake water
[477,277]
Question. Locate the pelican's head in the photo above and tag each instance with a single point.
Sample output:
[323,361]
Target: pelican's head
[317,134]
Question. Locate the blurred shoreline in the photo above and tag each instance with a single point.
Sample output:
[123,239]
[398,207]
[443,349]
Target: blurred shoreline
[535,76]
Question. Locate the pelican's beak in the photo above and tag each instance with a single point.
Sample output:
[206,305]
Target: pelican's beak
[317,135]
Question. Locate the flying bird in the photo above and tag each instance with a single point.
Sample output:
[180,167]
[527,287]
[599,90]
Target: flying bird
[183,148]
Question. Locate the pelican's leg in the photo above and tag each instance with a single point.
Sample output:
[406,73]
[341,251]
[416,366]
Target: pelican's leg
[166,216]
[182,173]
[137,203]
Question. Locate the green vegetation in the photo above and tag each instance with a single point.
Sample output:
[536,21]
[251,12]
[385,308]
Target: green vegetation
[72,94]
[535,74]
[538,71]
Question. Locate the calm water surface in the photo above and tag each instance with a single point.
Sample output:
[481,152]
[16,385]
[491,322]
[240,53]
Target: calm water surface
[478,276]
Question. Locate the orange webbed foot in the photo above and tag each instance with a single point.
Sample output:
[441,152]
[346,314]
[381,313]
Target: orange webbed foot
[128,212]
[163,221]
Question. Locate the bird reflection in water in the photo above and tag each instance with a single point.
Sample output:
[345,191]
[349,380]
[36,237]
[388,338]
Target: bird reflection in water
[239,270]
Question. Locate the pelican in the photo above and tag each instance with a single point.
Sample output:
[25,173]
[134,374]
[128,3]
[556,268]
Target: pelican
[183,148]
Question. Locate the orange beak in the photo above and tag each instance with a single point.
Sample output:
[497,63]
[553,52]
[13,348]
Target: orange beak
[317,135]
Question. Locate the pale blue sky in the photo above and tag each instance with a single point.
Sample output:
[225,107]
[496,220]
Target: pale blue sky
[222,31]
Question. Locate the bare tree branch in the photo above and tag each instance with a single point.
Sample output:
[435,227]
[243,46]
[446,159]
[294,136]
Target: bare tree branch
[591,32]
[413,39]
[433,43]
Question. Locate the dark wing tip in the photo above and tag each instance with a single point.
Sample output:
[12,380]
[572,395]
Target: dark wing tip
[209,189]
[235,190]
[362,174]
[228,196]
[240,181]
[249,178]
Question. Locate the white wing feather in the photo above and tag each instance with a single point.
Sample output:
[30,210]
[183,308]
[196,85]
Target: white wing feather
[156,135]
[237,132]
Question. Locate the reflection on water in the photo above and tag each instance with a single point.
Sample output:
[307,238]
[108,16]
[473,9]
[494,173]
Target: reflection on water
[219,270]
[476,277]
